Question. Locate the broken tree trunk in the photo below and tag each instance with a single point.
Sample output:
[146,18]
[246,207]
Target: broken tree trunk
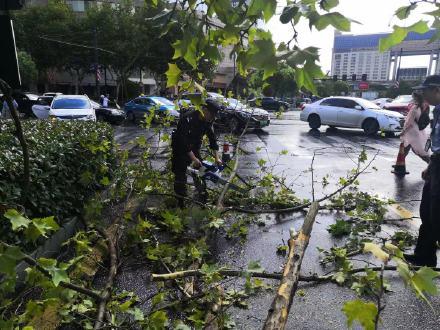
[280,307]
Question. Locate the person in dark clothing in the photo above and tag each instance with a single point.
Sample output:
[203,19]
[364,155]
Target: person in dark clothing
[186,143]
[429,232]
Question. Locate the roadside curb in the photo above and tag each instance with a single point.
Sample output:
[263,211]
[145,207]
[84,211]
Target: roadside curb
[50,248]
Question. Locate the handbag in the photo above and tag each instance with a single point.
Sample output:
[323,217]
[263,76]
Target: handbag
[424,120]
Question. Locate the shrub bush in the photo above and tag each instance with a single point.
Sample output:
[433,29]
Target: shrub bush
[69,160]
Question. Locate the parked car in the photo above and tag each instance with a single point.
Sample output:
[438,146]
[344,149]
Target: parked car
[142,105]
[25,102]
[112,115]
[67,107]
[41,108]
[237,115]
[351,112]
[400,104]
[53,94]
[382,101]
[269,104]
[234,114]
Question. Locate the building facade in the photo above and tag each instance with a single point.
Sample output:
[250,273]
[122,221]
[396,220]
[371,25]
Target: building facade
[412,73]
[359,54]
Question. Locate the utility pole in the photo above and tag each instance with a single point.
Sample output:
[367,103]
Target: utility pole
[9,70]
[95,45]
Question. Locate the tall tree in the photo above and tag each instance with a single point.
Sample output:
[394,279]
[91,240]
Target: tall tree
[36,29]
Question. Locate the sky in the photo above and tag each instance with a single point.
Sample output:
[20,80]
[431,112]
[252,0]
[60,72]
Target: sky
[374,16]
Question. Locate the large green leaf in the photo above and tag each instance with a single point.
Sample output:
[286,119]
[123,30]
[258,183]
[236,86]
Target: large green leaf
[361,311]
[8,259]
[423,281]
[58,275]
[40,227]
[16,219]
[328,4]
[173,74]
[262,8]
[337,20]
[288,13]
[405,11]
[399,34]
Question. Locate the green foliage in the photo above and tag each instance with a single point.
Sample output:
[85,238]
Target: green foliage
[332,88]
[28,68]
[340,228]
[68,160]
[361,311]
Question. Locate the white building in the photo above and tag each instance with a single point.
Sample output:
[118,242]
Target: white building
[359,54]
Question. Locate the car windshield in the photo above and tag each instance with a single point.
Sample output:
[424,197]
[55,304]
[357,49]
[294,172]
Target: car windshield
[403,99]
[368,104]
[215,95]
[162,101]
[65,103]
[236,103]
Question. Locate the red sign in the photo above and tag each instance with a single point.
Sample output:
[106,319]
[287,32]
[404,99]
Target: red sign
[363,85]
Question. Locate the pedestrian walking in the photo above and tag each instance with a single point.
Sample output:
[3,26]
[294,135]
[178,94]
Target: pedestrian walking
[429,232]
[186,142]
[6,112]
[105,100]
[413,135]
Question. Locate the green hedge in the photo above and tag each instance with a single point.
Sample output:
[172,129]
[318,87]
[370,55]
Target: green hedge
[69,160]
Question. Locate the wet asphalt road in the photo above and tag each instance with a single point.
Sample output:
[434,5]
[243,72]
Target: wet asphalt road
[336,154]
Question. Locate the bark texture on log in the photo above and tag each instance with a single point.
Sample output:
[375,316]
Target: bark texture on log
[279,310]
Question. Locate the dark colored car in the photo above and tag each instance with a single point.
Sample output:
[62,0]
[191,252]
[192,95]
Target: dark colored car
[112,115]
[400,104]
[269,104]
[234,115]
[25,102]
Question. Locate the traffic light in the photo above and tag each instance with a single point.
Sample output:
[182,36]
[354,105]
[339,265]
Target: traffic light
[335,77]
[11,4]
[364,77]
[353,77]
[344,77]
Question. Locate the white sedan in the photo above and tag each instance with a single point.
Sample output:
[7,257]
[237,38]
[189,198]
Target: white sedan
[351,112]
[67,107]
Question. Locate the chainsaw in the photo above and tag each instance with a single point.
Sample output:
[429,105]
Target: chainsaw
[212,172]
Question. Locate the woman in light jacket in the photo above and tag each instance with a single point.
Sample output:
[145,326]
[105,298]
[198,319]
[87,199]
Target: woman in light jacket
[411,136]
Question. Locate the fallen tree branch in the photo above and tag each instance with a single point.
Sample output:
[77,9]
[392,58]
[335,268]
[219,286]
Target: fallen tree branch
[106,292]
[274,276]
[32,262]
[279,310]
[301,207]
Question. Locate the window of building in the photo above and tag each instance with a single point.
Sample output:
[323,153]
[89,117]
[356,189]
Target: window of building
[77,5]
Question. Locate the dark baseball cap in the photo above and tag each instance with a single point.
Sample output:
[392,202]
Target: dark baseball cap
[430,81]
[213,105]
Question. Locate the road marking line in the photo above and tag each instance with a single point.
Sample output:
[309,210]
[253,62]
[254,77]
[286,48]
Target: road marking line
[402,212]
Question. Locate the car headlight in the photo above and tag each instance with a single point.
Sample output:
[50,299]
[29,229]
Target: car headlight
[393,118]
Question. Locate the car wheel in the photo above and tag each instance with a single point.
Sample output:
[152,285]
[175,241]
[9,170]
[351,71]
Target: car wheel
[100,118]
[131,117]
[370,127]
[235,125]
[314,121]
